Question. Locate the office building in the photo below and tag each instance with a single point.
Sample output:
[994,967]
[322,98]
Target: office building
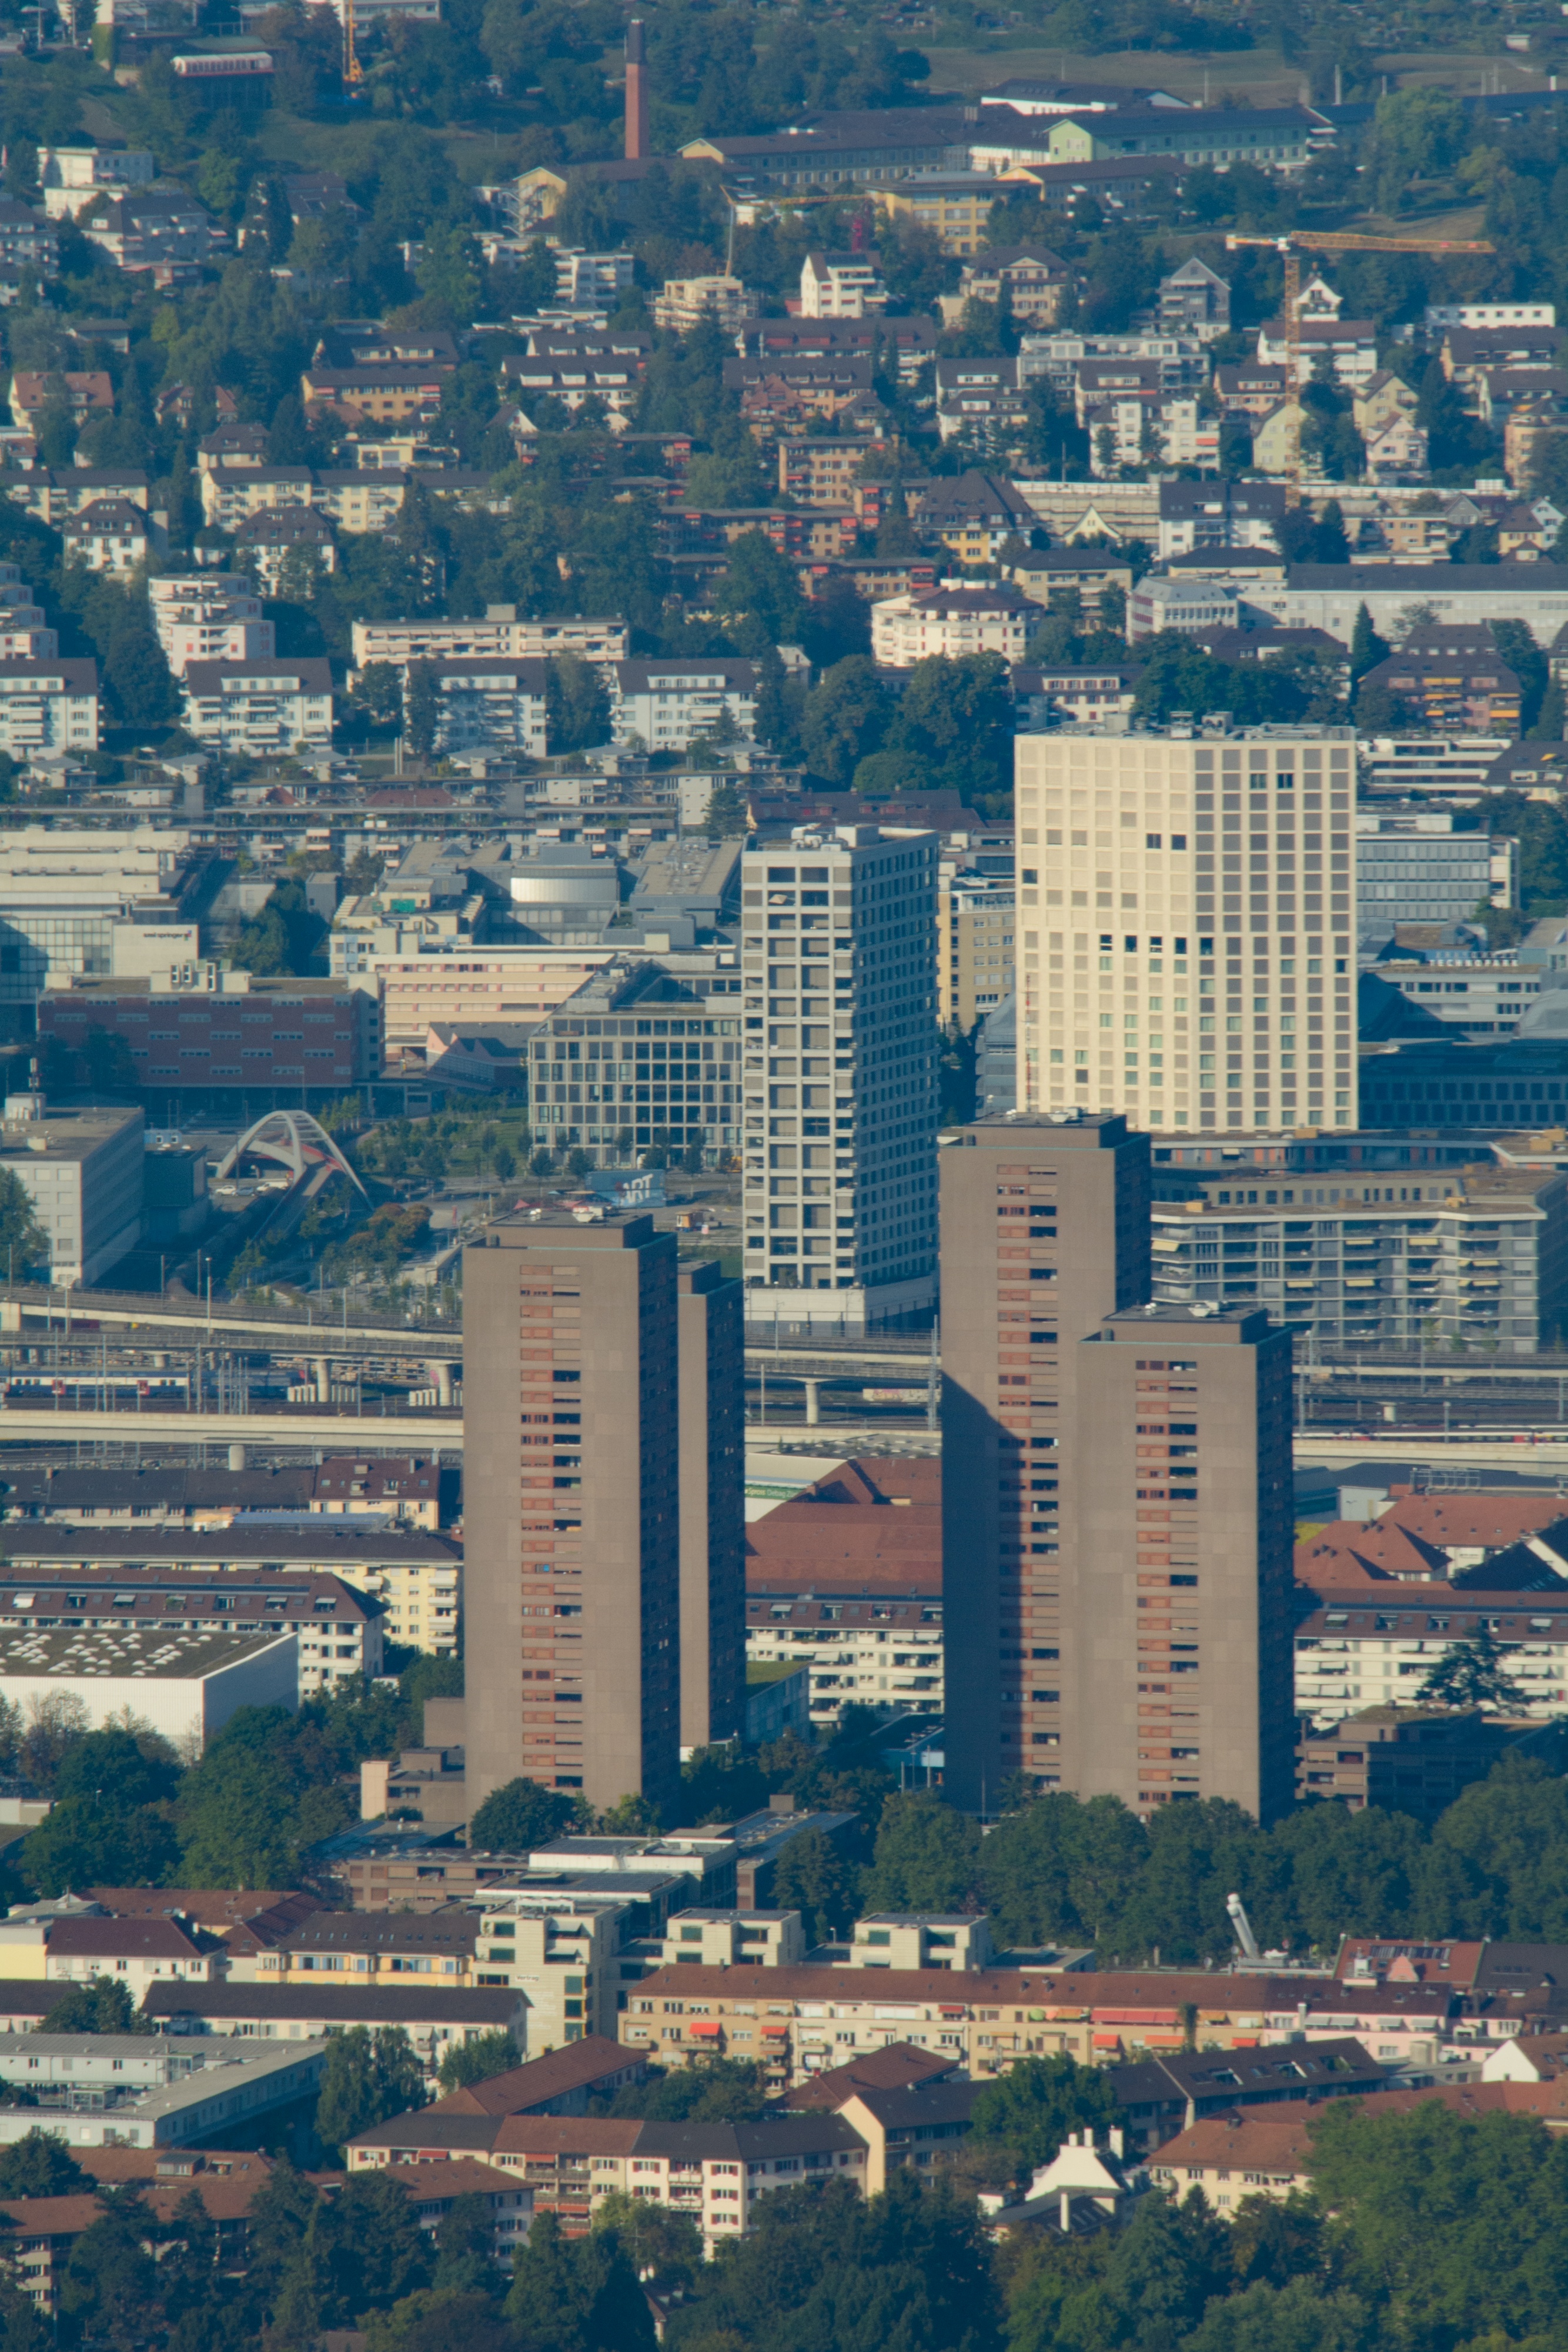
[572,1508]
[1472,1257]
[839,1196]
[82,1171]
[1411,866]
[711,1321]
[1109,1630]
[1477,995]
[219,1030]
[122,2090]
[1204,995]
[975,920]
[72,900]
[637,1056]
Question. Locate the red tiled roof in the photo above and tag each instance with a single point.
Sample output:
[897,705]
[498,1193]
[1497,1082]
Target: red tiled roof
[577,2067]
[898,2067]
[870,1524]
[1414,1537]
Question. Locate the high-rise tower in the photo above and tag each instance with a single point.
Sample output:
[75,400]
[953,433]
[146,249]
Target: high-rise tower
[636,94]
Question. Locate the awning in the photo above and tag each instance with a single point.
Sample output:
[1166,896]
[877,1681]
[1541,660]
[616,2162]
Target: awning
[778,2032]
[700,2028]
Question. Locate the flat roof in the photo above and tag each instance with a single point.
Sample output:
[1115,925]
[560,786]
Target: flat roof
[188,1654]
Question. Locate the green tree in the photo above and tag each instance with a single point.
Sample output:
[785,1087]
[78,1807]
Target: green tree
[954,724]
[758,594]
[660,2243]
[423,709]
[1416,134]
[845,719]
[1367,647]
[23,1241]
[926,1856]
[41,2165]
[1302,2315]
[368,2078]
[257,1798]
[477,2059]
[1515,641]
[101,2006]
[581,2296]
[110,2283]
[577,706]
[1472,1674]
[1031,2110]
[727,814]
[713,2091]
[814,1876]
[518,1816]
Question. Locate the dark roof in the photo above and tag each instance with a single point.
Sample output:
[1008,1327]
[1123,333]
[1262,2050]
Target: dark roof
[542,2080]
[1436,579]
[313,677]
[778,2135]
[452,1930]
[1219,2078]
[928,2103]
[130,1940]
[478,2005]
[286,523]
[899,2066]
[38,1546]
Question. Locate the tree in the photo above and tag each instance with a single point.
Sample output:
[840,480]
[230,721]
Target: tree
[665,2244]
[1367,647]
[101,2007]
[87,1841]
[1472,1674]
[41,2165]
[368,2078]
[955,724]
[1031,2110]
[727,813]
[845,719]
[519,1814]
[110,2283]
[712,2091]
[380,690]
[631,1816]
[138,677]
[759,587]
[577,706]
[422,708]
[1515,641]
[926,1858]
[814,1876]
[578,2297]
[477,2059]
[23,1241]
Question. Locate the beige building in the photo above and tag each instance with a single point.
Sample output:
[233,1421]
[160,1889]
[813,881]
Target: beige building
[558,1951]
[892,1939]
[952,621]
[973,951]
[735,1940]
[573,1529]
[1200,890]
[687,301]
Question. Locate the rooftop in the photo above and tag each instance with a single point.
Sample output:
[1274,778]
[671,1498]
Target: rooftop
[188,1655]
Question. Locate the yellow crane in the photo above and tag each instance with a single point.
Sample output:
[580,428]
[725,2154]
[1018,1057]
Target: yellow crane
[353,72]
[1311,240]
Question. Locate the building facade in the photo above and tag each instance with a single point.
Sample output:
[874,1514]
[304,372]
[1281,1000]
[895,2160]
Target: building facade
[839,1194]
[48,706]
[1215,871]
[711,1319]
[573,1533]
[976,922]
[260,706]
[250,1033]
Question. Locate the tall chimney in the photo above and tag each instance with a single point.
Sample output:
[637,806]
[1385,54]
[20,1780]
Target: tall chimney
[636,95]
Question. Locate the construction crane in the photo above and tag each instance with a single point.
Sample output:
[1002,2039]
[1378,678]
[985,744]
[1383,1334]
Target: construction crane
[1311,240]
[353,72]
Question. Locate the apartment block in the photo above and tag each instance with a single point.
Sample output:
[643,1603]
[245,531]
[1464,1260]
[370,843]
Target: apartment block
[838,955]
[491,705]
[48,706]
[501,631]
[260,706]
[81,1169]
[952,621]
[1199,890]
[1375,1647]
[572,1536]
[710,1315]
[1473,1257]
[669,705]
[975,935]
[1044,1233]
[212,616]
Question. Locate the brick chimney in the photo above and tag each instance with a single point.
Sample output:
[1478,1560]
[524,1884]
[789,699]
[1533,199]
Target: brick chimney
[636,94]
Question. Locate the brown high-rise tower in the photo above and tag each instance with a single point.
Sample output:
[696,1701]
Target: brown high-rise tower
[636,94]
[572,1508]
[713,1505]
[1116,1533]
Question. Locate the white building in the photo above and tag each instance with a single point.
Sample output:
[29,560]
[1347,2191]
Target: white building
[185,1687]
[82,1171]
[502,631]
[1154,978]
[839,933]
[687,301]
[109,535]
[1185,605]
[48,706]
[951,621]
[587,280]
[71,176]
[1492,314]
[485,706]
[122,2090]
[162,232]
[668,704]
[260,706]
[841,285]
[27,239]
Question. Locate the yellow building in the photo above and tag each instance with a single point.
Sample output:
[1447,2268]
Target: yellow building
[955,205]
[975,950]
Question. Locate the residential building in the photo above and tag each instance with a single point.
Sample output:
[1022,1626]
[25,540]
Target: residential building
[1197,515]
[1162,2094]
[357,499]
[160,232]
[588,281]
[124,2090]
[1153,1679]
[1158,867]
[260,706]
[55,496]
[252,1032]
[612,384]
[845,1579]
[390,395]
[48,706]
[955,206]
[1411,866]
[972,514]
[951,622]
[1189,606]
[81,1169]
[746,1939]
[914,1940]
[502,631]
[210,616]
[492,705]
[109,535]
[573,1528]
[710,1315]
[555,1949]
[841,285]
[687,301]
[68,176]
[1402,1759]
[986,401]
[59,1578]
[1084,692]
[264,542]
[231,493]
[1195,300]
[1030,279]
[137,1953]
[1368,1647]
[1481,1260]
[821,473]
[86,392]
[668,704]
[975,919]
[1348,347]
[840,1191]
[1477,694]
